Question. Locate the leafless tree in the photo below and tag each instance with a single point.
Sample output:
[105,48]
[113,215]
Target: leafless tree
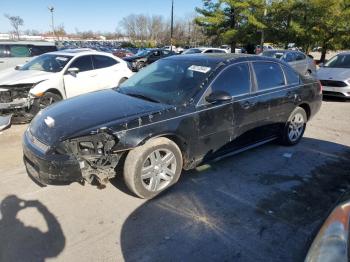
[15,22]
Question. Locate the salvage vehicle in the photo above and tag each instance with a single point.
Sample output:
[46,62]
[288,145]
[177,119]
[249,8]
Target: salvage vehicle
[146,57]
[205,50]
[335,76]
[175,114]
[55,76]
[304,64]
[13,53]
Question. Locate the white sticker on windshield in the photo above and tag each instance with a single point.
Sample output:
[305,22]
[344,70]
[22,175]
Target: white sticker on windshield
[201,69]
[62,58]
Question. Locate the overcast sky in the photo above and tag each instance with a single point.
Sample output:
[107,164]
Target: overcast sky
[101,15]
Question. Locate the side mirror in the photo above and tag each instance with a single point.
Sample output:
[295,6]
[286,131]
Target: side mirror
[18,67]
[218,96]
[73,70]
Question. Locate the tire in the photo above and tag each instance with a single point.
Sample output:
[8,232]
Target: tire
[26,116]
[294,129]
[140,65]
[48,98]
[122,80]
[157,176]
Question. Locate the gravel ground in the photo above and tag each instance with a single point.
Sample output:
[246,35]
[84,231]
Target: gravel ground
[262,205]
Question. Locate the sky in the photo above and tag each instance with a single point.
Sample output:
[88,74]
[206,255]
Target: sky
[100,15]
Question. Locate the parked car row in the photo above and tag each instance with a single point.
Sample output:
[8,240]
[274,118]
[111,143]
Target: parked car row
[55,76]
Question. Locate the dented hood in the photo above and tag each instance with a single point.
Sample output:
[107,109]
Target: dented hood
[81,115]
[14,77]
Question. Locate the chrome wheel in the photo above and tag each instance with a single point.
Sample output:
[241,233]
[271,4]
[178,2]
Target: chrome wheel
[158,170]
[296,127]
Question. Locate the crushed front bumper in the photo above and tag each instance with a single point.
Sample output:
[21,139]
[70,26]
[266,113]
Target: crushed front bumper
[45,169]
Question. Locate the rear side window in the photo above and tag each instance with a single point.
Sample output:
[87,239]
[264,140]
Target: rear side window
[268,75]
[101,61]
[289,57]
[19,51]
[84,63]
[235,80]
[291,75]
[300,56]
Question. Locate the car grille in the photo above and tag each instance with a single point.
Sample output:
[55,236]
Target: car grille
[333,83]
[43,147]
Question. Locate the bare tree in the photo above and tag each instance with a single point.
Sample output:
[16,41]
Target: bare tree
[15,22]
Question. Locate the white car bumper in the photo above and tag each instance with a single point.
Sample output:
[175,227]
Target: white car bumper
[336,91]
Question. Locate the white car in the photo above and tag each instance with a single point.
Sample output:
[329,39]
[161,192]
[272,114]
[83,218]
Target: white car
[55,76]
[204,50]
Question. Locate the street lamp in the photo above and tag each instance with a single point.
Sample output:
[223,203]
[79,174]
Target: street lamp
[51,9]
[172,25]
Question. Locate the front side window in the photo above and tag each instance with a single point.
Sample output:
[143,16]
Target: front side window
[339,61]
[268,75]
[289,57]
[47,62]
[168,81]
[83,63]
[234,80]
[19,51]
[101,61]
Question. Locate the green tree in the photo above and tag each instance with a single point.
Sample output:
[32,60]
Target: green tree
[232,21]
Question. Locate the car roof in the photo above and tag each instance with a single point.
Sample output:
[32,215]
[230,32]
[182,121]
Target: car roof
[78,51]
[221,57]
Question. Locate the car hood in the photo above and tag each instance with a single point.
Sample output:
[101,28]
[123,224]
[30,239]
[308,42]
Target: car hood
[16,77]
[83,114]
[326,73]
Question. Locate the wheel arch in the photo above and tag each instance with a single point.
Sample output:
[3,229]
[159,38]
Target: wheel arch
[307,109]
[55,91]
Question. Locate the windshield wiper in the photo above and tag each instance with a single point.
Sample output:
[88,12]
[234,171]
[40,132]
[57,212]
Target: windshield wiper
[143,97]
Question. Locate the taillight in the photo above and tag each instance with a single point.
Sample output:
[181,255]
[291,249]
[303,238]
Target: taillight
[319,87]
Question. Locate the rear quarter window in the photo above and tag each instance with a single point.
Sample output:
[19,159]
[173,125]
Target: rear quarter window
[291,76]
[268,75]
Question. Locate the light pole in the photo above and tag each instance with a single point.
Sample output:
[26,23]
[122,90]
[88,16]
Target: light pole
[172,25]
[51,9]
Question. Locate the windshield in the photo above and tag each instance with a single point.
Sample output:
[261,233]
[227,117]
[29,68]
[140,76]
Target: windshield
[192,51]
[47,62]
[339,61]
[168,81]
[143,52]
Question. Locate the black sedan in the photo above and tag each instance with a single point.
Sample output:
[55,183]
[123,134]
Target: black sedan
[146,57]
[175,114]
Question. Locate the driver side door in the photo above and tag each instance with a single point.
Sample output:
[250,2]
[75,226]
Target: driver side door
[216,120]
[82,82]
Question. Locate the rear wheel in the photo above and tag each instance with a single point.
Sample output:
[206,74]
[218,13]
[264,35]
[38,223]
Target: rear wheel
[153,167]
[295,127]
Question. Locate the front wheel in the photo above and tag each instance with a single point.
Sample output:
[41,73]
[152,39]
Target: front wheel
[295,127]
[48,99]
[153,167]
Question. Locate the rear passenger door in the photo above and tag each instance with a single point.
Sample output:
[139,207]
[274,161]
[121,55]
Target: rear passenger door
[273,95]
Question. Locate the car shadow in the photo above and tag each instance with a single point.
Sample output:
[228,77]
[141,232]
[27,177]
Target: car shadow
[19,242]
[334,99]
[262,205]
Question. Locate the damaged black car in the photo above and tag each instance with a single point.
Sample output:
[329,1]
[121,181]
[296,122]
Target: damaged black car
[175,114]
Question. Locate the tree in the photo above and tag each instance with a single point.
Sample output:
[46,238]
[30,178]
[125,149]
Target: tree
[15,22]
[60,31]
[230,20]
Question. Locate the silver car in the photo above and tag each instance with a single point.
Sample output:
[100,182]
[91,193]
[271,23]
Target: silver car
[335,76]
[302,63]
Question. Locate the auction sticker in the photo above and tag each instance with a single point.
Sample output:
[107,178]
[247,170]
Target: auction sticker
[201,69]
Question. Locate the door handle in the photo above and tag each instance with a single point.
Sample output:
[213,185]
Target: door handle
[247,104]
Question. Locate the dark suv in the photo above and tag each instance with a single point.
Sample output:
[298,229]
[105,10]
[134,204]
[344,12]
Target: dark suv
[146,57]
[175,114]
